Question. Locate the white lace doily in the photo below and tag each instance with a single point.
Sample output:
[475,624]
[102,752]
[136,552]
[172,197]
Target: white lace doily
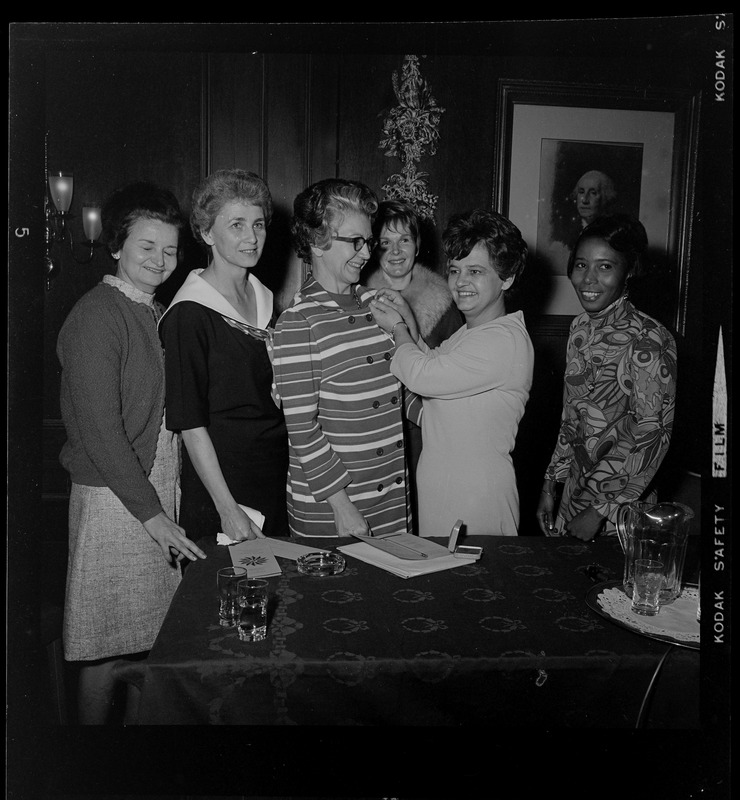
[676,621]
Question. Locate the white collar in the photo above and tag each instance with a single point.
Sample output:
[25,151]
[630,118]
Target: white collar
[198,290]
[129,290]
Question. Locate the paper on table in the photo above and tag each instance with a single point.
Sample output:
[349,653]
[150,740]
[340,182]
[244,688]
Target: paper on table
[284,548]
[405,546]
[399,566]
[257,556]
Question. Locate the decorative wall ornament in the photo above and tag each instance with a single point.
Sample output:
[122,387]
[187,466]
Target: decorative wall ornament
[409,129]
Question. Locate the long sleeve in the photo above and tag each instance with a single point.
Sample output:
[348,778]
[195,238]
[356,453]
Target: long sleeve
[618,408]
[641,444]
[297,366]
[468,363]
[560,461]
[103,421]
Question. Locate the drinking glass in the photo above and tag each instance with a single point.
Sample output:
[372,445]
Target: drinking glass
[227,579]
[649,578]
[252,612]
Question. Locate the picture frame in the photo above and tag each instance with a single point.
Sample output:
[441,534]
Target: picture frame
[550,134]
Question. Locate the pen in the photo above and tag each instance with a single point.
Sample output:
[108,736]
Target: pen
[397,544]
[406,547]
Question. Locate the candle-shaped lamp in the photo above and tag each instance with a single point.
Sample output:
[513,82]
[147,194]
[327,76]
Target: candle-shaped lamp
[91,222]
[61,185]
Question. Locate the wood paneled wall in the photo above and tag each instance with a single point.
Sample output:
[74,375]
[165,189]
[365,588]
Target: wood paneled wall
[295,118]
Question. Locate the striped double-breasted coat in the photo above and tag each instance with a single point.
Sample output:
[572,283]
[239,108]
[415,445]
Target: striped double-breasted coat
[343,409]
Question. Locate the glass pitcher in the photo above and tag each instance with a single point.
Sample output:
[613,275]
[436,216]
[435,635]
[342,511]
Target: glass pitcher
[658,531]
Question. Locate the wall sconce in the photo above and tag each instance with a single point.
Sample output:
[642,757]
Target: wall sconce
[60,189]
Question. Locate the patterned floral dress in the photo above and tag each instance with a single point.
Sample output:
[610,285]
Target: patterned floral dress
[618,406]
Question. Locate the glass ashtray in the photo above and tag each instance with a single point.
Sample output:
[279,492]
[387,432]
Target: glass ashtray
[321,564]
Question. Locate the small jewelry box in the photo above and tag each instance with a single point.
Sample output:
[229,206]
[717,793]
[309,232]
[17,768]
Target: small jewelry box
[467,552]
[462,551]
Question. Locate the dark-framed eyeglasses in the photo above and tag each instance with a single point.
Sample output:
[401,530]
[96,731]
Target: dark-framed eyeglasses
[358,242]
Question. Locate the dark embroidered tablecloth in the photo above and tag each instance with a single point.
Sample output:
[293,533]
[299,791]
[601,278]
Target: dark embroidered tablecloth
[505,641]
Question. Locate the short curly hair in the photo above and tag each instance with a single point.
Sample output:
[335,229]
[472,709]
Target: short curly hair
[134,202]
[501,238]
[395,213]
[319,210]
[222,187]
[623,233]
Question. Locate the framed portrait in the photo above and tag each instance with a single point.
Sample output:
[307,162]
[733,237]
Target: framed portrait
[566,153]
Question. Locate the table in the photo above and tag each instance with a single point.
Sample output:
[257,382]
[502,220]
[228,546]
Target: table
[505,641]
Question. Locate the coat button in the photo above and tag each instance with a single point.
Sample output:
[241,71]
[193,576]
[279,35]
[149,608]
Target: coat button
[387,356]
[380,487]
[351,320]
[399,480]
[394,400]
[370,359]
[399,443]
[376,404]
[379,451]
[369,317]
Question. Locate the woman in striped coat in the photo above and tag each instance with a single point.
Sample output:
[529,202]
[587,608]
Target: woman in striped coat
[343,408]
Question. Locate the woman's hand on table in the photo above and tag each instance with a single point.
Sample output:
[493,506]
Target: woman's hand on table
[347,517]
[585,525]
[236,525]
[171,539]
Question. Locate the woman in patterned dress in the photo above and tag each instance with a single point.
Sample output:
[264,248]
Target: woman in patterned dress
[619,390]
[124,544]
[343,408]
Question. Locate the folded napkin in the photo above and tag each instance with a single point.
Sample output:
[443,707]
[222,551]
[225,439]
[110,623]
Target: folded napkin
[256,516]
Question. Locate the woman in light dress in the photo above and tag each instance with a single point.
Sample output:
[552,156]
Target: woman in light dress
[474,386]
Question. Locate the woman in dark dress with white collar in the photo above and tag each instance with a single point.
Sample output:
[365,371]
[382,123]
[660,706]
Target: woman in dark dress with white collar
[216,334]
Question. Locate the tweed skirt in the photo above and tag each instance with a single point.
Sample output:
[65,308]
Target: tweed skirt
[119,585]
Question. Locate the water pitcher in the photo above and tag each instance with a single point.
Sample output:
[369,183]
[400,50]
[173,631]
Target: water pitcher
[658,531]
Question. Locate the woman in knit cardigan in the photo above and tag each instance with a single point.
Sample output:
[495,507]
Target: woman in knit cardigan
[124,544]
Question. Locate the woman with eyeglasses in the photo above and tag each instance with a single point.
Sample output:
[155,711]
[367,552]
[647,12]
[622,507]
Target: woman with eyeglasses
[342,406]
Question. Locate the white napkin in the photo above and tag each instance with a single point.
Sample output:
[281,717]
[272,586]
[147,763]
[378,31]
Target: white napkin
[256,516]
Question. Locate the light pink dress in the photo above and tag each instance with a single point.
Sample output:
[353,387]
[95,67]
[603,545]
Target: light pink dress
[474,388]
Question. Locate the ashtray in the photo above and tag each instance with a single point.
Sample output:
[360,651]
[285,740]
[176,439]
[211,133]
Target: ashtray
[321,564]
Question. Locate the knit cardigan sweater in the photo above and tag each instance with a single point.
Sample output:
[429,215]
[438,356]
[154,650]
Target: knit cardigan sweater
[112,395]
